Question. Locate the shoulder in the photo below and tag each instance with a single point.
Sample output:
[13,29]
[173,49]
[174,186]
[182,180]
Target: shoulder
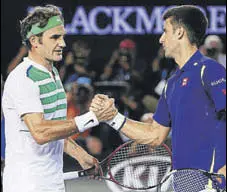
[18,78]
[19,73]
[211,64]
[211,70]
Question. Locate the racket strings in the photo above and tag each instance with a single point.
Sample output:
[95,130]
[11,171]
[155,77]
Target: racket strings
[140,166]
[190,181]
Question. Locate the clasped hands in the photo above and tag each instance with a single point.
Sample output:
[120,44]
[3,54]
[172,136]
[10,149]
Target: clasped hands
[103,107]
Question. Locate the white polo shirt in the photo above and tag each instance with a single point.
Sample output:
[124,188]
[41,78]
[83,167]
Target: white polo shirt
[30,167]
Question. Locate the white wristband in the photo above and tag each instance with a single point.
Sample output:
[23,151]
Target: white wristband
[86,121]
[117,122]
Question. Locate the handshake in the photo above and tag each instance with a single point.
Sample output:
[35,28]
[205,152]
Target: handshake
[102,109]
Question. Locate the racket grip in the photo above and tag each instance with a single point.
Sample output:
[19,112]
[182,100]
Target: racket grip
[74,175]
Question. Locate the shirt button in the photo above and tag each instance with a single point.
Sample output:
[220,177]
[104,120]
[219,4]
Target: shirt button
[195,64]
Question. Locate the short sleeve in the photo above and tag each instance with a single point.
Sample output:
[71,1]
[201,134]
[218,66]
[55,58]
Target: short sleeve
[214,79]
[162,115]
[25,95]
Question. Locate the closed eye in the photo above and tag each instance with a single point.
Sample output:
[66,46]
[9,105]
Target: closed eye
[55,36]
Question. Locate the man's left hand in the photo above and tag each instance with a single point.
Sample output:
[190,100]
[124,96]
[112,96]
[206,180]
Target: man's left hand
[88,161]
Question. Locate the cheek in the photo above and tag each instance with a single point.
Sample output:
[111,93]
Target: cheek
[49,49]
[171,41]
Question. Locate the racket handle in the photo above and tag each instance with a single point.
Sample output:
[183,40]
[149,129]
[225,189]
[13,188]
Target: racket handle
[74,175]
[71,175]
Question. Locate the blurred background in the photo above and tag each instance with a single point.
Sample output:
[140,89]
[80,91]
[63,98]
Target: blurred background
[112,48]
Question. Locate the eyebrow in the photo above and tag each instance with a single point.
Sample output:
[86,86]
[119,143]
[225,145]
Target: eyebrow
[57,35]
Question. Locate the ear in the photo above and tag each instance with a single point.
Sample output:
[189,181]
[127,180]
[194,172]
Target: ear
[180,32]
[34,41]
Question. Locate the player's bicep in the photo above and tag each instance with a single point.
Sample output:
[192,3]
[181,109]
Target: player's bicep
[162,114]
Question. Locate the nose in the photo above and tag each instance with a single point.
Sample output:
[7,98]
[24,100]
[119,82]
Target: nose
[62,43]
[161,39]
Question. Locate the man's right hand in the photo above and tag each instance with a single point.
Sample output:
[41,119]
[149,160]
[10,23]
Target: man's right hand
[103,107]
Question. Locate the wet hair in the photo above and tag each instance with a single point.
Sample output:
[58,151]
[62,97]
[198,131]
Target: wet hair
[39,15]
[192,19]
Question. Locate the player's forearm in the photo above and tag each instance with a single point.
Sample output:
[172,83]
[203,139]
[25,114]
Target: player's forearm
[73,149]
[44,131]
[144,133]
[47,131]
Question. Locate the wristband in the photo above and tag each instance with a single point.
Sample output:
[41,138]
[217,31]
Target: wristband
[86,121]
[117,122]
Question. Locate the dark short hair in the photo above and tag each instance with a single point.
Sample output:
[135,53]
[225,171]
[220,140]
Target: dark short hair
[192,19]
[39,15]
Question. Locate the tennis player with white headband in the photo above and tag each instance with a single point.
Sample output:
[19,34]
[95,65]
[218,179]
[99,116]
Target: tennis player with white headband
[34,106]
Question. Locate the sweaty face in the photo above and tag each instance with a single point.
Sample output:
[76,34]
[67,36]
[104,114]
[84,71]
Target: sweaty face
[51,47]
[169,39]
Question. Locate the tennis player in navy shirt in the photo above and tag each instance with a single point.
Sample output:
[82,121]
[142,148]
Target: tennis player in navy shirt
[193,103]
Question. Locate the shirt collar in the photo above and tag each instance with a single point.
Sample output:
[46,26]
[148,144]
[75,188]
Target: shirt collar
[37,65]
[193,61]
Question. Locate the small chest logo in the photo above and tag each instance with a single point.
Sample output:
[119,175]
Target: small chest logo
[185,81]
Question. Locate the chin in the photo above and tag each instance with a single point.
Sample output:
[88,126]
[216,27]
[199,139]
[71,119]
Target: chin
[56,59]
[168,55]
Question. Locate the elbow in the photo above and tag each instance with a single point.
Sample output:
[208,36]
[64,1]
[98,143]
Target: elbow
[41,142]
[40,139]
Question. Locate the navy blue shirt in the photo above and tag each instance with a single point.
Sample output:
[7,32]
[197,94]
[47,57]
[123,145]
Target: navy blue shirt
[189,105]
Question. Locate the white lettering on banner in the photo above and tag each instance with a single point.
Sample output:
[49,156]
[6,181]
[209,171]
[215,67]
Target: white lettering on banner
[149,23]
[217,19]
[93,20]
[120,15]
[87,23]
[80,20]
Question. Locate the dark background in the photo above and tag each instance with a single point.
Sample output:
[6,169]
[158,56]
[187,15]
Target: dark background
[101,46]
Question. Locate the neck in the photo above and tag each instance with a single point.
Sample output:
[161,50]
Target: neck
[185,54]
[41,60]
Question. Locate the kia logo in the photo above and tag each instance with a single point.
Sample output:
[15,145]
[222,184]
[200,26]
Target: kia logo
[139,171]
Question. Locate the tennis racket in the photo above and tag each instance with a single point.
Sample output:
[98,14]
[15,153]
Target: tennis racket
[133,166]
[191,180]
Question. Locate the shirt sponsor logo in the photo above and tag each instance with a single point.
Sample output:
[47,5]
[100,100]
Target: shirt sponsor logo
[222,80]
[185,81]
[224,91]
